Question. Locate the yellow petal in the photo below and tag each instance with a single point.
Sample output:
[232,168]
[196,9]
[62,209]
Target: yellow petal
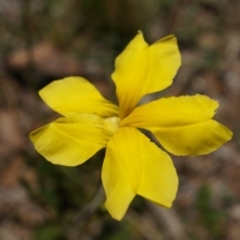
[141,69]
[73,95]
[71,141]
[134,165]
[183,125]
[197,139]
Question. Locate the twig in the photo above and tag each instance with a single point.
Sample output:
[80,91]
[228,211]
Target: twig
[78,223]
[169,221]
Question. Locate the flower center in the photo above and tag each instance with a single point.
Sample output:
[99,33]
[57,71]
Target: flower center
[111,125]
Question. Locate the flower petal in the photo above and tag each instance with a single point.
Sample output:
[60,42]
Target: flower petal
[134,165]
[71,141]
[73,95]
[142,69]
[198,139]
[183,125]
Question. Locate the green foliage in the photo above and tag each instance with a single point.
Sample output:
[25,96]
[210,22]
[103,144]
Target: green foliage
[210,216]
[50,232]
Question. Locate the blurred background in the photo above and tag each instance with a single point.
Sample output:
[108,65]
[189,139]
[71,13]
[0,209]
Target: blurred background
[43,40]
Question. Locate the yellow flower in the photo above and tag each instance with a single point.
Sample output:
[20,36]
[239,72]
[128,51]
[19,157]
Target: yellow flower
[133,164]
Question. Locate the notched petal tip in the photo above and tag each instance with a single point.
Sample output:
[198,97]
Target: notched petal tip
[140,32]
[145,170]
[142,69]
[170,37]
[183,125]
[209,105]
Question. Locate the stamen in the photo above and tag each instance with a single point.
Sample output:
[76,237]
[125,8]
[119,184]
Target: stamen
[111,125]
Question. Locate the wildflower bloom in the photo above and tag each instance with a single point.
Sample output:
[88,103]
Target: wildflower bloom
[133,164]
